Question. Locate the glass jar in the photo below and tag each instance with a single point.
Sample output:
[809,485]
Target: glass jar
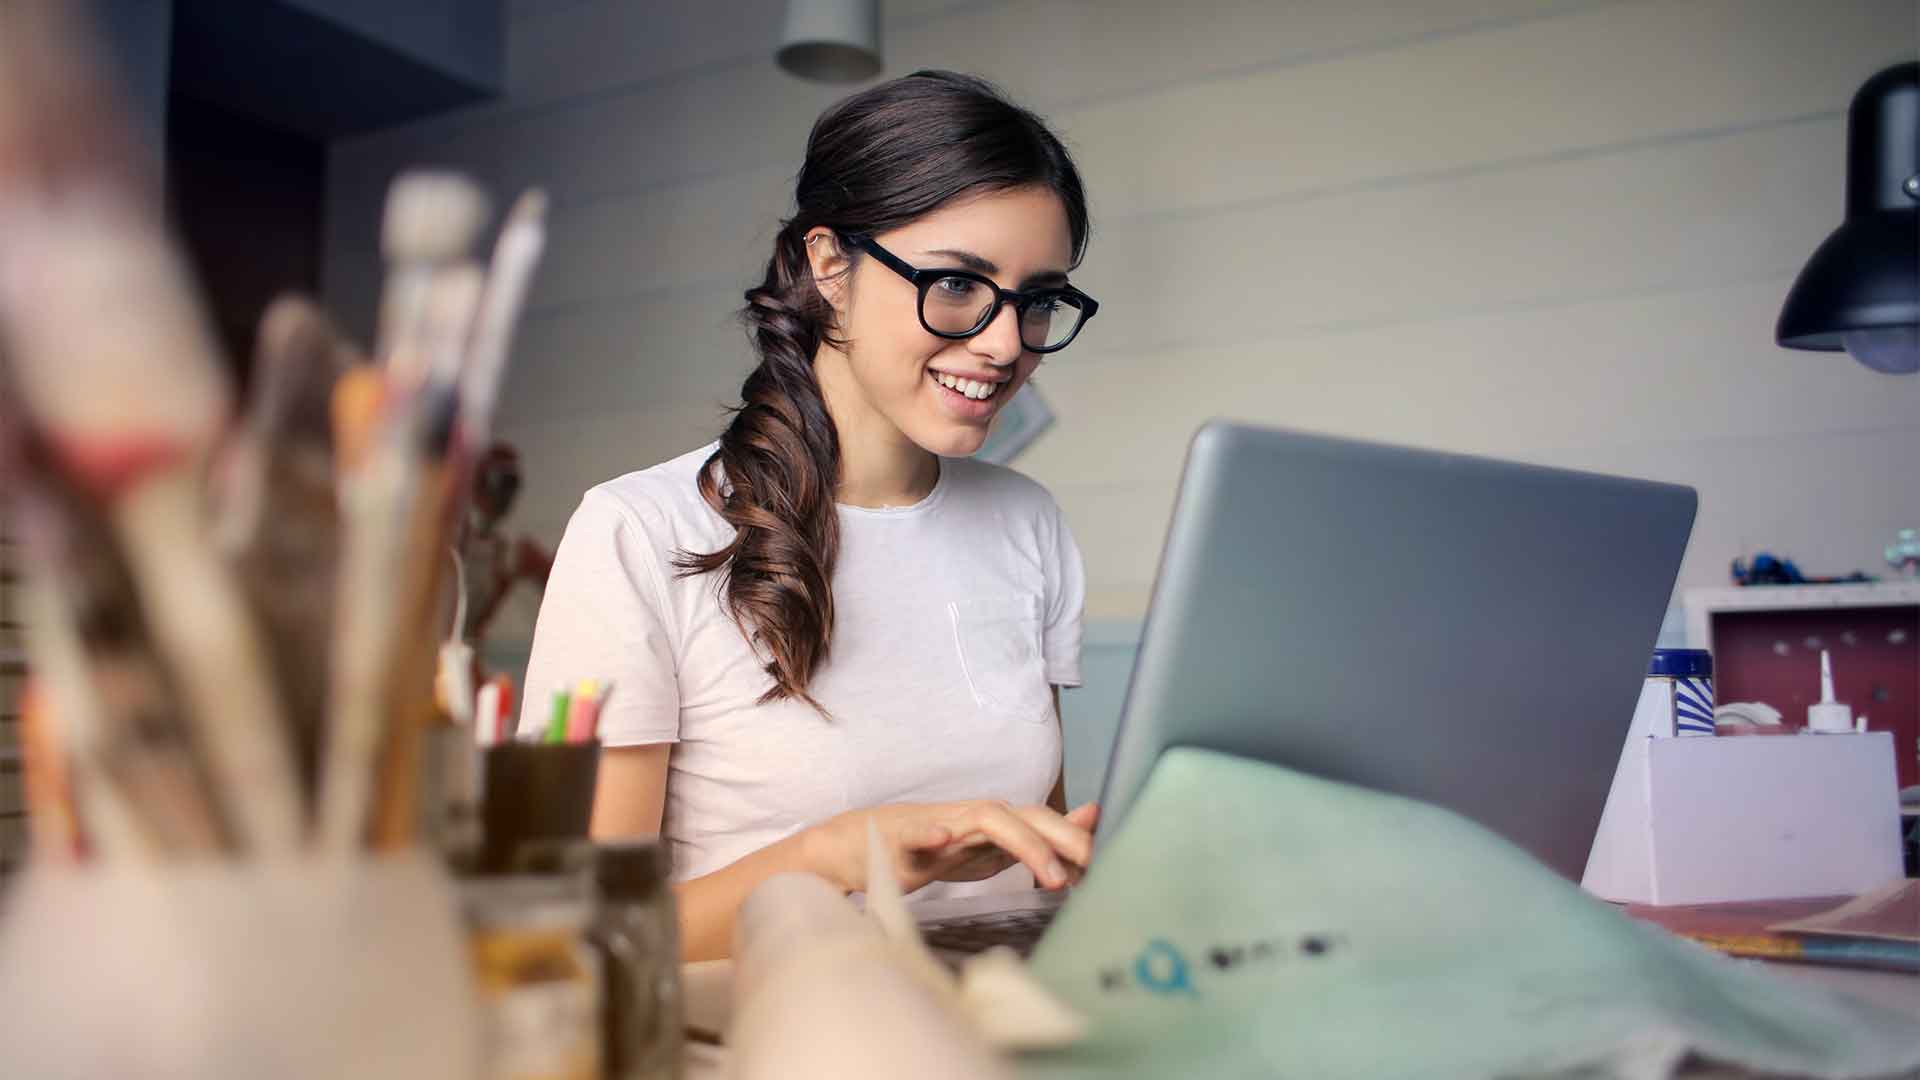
[637,931]
[538,978]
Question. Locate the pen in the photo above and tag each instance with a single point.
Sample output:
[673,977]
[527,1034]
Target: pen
[590,724]
[503,717]
[557,719]
[578,713]
[486,715]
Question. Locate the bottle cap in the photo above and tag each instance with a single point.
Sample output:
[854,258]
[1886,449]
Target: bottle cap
[1691,663]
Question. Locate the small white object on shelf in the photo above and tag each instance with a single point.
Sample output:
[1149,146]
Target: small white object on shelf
[1751,713]
[1827,716]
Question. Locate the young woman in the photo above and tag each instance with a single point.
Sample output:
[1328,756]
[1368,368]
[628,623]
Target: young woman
[831,616]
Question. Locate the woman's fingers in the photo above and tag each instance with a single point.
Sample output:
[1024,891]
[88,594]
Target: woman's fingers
[975,839]
[1017,837]
[1068,837]
[926,835]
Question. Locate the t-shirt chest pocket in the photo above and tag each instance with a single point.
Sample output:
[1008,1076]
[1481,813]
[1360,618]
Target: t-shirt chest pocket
[998,639]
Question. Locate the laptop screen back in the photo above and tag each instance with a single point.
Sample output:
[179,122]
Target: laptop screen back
[1468,632]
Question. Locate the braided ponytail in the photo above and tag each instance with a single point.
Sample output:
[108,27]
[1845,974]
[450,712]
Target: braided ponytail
[781,457]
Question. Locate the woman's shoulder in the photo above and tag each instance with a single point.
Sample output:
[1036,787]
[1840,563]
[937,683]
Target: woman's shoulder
[663,498]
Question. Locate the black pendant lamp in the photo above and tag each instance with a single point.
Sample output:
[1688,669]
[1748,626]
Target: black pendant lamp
[1861,289]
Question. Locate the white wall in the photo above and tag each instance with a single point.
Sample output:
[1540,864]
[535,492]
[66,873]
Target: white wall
[1558,230]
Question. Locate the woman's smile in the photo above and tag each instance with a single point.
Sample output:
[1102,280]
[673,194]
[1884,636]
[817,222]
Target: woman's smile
[968,398]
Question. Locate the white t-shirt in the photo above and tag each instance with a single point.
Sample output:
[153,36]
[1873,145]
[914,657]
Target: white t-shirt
[952,618]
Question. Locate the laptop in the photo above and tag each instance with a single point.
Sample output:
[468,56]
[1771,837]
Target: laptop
[1464,631]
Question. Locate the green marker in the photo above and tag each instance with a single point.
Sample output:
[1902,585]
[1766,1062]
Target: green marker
[557,721]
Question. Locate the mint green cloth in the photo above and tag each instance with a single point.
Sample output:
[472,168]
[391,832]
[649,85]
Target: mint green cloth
[1247,920]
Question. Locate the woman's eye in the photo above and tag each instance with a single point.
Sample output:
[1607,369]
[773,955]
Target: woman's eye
[954,286]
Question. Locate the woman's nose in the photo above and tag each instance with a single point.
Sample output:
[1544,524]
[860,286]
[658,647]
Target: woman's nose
[999,342]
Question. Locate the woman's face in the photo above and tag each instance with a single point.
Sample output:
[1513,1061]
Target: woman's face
[1017,238]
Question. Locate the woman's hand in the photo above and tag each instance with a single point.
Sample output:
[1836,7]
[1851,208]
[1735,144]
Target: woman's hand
[958,841]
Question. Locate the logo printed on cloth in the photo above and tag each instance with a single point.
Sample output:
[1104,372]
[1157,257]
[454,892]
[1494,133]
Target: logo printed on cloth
[1162,968]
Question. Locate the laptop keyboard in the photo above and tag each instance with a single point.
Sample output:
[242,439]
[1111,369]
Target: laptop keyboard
[1017,930]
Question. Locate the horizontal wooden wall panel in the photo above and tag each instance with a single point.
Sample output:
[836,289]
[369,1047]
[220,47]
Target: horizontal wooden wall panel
[1557,230]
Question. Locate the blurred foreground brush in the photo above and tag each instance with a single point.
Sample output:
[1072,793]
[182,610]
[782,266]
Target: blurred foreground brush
[393,496]
[122,751]
[238,618]
[116,368]
[448,358]
[135,768]
[276,513]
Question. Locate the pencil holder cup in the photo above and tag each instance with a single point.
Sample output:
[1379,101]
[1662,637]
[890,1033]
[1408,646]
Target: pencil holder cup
[533,793]
[292,969]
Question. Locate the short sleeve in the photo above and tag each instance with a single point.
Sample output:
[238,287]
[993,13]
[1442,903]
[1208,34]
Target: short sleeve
[1066,600]
[601,618]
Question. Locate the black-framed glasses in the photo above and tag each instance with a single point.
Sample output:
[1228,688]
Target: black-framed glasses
[957,304]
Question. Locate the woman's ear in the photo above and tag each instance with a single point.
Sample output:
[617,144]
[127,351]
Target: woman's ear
[829,266]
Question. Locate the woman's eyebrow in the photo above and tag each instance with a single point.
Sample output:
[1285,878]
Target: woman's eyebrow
[981,265]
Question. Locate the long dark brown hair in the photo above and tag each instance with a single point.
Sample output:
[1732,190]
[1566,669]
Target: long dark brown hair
[876,161]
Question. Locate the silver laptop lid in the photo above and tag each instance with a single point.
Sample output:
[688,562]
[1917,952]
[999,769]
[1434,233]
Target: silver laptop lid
[1464,631]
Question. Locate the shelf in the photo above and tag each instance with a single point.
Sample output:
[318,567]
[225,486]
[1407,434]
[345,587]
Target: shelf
[1701,604]
[1794,597]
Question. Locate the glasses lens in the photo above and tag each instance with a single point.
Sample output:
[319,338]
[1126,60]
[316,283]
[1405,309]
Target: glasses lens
[955,305]
[1050,320]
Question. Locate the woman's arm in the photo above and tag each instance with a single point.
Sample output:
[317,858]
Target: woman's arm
[628,801]
[630,793]
[962,841]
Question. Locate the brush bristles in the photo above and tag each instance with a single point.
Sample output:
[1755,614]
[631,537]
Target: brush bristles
[432,217]
[529,209]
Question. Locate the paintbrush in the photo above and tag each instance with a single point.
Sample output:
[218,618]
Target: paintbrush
[381,423]
[410,692]
[475,377]
[473,372]
[515,256]
[46,745]
[276,511]
[285,434]
[115,364]
[377,487]
[53,818]
[134,775]
[431,221]
[108,734]
[392,500]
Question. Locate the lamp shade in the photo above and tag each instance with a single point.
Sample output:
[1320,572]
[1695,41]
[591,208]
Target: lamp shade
[831,40]
[1861,289]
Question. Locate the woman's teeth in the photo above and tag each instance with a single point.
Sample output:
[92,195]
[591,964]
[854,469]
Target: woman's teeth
[978,391]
